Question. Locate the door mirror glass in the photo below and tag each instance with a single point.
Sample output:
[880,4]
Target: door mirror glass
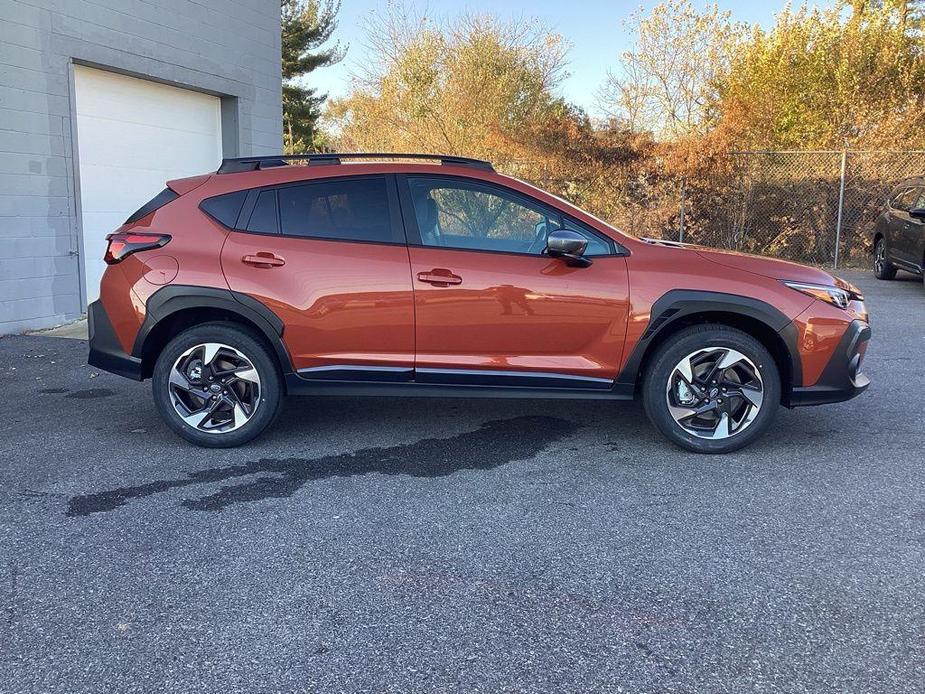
[568,245]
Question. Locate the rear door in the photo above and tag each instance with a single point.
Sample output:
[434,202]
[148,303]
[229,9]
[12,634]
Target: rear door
[329,258]
[902,225]
[491,308]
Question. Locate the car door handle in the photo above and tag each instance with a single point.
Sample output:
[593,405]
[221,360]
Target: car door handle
[439,277]
[263,259]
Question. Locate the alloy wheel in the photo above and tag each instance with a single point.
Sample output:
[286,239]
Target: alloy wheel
[715,393]
[879,258]
[214,388]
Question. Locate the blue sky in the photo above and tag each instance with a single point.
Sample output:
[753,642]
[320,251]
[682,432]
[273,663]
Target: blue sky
[594,28]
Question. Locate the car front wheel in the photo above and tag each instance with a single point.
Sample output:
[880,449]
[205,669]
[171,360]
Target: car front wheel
[712,389]
[883,268]
[217,385]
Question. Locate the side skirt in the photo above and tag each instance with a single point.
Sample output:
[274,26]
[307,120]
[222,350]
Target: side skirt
[298,385]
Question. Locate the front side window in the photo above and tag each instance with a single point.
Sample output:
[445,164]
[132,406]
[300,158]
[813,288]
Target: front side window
[456,214]
[917,201]
[345,209]
[904,200]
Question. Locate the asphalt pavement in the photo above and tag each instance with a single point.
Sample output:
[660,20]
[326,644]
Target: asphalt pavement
[404,545]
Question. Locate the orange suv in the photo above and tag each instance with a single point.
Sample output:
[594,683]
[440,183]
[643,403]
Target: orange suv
[436,276]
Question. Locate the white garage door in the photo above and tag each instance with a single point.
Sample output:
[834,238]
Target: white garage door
[133,135]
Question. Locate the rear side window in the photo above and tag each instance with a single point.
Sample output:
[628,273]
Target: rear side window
[153,204]
[264,219]
[224,208]
[346,209]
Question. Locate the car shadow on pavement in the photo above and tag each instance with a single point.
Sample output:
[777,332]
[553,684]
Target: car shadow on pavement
[493,444]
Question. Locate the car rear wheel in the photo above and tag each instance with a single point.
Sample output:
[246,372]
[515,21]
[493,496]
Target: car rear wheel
[883,268]
[217,385]
[712,389]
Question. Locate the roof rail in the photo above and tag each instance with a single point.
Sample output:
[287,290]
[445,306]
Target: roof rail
[239,164]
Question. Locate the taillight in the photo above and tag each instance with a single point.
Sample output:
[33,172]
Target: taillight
[123,243]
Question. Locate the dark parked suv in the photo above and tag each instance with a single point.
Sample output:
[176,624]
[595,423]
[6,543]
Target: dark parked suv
[439,276]
[899,233]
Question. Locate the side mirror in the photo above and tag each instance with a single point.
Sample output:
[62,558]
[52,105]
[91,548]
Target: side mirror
[917,212]
[568,245]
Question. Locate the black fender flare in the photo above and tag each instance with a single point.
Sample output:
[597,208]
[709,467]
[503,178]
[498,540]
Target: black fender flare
[177,297]
[677,304]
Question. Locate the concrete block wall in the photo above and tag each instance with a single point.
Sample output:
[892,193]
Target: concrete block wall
[229,48]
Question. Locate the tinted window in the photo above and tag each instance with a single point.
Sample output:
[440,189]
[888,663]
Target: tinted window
[459,215]
[153,204]
[224,208]
[351,210]
[917,201]
[264,218]
[904,200]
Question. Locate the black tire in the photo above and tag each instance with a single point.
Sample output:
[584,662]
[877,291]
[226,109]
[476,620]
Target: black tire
[669,355]
[883,268]
[267,399]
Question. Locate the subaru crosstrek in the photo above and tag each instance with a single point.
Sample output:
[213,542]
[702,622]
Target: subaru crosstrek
[435,275]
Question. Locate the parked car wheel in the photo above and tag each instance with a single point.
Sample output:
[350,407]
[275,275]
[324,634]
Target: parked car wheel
[712,389]
[217,385]
[883,268]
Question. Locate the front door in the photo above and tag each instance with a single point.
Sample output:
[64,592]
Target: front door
[329,258]
[913,231]
[491,308]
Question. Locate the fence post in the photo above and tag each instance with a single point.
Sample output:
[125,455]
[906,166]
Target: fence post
[681,224]
[841,205]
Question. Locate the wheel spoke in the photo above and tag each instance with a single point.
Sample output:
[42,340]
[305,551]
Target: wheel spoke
[686,370]
[731,358]
[683,413]
[209,350]
[754,395]
[178,379]
[722,428]
[711,374]
[198,417]
[240,416]
[246,373]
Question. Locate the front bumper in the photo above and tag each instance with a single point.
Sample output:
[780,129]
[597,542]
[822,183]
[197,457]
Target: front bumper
[105,351]
[842,378]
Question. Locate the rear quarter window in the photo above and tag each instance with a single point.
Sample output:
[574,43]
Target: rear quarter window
[155,203]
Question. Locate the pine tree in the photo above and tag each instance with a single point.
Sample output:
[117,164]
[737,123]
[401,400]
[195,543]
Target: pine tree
[306,26]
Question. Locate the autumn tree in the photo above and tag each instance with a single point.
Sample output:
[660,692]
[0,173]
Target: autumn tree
[307,25]
[473,88]
[851,75]
[477,86]
[666,84]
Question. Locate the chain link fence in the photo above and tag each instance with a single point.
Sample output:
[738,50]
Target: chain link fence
[815,207]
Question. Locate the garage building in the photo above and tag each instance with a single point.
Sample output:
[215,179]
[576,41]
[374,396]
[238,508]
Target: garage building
[103,101]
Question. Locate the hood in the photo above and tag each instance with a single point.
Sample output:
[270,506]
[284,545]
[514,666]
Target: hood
[770,267]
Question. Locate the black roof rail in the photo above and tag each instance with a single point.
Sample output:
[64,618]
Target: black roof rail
[239,164]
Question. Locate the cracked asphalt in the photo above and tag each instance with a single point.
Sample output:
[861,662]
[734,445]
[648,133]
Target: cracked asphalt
[461,545]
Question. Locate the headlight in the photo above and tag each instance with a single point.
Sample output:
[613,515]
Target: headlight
[831,295]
